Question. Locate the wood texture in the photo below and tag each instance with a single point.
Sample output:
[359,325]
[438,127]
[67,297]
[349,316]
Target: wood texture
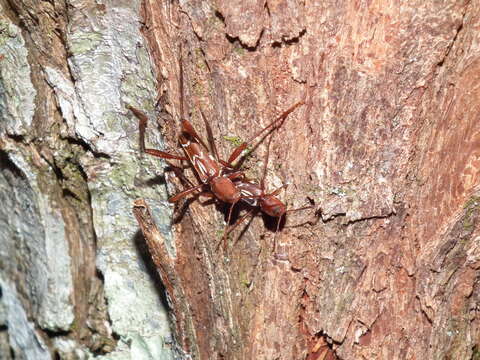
[74,277]
[387,148]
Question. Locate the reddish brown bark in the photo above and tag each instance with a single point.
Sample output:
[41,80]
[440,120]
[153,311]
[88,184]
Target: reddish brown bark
[387,147]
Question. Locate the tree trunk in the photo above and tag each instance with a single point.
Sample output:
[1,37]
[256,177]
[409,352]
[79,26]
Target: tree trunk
[76,279]
[386,148]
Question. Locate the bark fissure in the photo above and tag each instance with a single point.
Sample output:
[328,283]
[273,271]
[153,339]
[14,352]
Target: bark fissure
[456,36]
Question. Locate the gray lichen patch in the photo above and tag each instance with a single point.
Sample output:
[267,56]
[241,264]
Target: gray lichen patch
[36,251]
[87,158]
[7,30]
[84,42]
[24,341]
[134,303]
[78,123]
[70,349]
[17,94]
[111,69]
[128,284]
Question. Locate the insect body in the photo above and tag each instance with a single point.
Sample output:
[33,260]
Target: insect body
[225,182]
[218,178]
[211,172]
[255,196]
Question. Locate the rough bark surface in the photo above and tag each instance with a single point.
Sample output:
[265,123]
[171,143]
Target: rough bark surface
[387,148]
[74,274]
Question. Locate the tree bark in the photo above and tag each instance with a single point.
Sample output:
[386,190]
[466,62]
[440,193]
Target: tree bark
[386,148]
[75,276]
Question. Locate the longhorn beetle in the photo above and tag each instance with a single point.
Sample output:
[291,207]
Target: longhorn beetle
[224,180]
[218,174]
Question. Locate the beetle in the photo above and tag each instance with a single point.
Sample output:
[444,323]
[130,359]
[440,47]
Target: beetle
[225,182]
[221,179]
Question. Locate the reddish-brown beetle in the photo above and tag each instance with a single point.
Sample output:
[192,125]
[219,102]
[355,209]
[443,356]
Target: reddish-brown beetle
[216,173]
[225,182]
